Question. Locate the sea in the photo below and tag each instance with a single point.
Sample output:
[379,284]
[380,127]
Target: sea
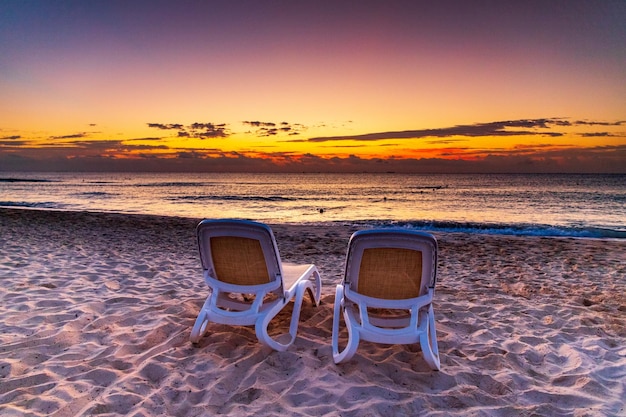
[585,205]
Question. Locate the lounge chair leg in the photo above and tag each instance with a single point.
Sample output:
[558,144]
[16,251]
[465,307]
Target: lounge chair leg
[302,288]
[261,329]
[199,328]
[317,295]
[428,342]
[353,336]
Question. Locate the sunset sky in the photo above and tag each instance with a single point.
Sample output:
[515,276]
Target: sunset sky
[405,86]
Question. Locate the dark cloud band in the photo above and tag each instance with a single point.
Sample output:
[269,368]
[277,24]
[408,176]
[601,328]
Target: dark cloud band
[501,128]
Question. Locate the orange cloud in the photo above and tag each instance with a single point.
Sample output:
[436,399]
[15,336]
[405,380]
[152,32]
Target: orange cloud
[524,145]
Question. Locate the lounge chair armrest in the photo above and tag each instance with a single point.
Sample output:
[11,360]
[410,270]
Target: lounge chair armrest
[373,302]
[241,289]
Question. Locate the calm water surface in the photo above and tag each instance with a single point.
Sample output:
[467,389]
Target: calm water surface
[570,205]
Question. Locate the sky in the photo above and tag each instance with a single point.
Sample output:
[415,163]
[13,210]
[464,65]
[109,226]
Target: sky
[320,86]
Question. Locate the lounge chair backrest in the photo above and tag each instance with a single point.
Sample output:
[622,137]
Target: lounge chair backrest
[391,264]
[239,260]
[239,252]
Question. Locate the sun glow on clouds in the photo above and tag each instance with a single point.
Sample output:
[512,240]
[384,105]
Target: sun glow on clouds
[545,145]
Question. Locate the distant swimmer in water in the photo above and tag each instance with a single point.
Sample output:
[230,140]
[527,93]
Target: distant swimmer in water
[321,211]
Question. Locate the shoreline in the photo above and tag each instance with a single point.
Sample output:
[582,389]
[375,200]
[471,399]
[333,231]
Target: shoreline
[437,227]
[97,309]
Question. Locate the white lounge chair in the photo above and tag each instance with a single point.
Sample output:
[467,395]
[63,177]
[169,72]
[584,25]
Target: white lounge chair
[387,292]
[249,284]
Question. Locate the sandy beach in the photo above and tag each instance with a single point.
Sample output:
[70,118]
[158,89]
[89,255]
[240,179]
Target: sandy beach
[96,311]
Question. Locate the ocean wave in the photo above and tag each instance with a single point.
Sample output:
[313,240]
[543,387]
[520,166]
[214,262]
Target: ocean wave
[93,194]
[25,180]
[24,204]
[175,184]
[193,198]
[502,229]
[102,182]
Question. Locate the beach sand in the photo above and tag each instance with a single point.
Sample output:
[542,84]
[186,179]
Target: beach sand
[96,311]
